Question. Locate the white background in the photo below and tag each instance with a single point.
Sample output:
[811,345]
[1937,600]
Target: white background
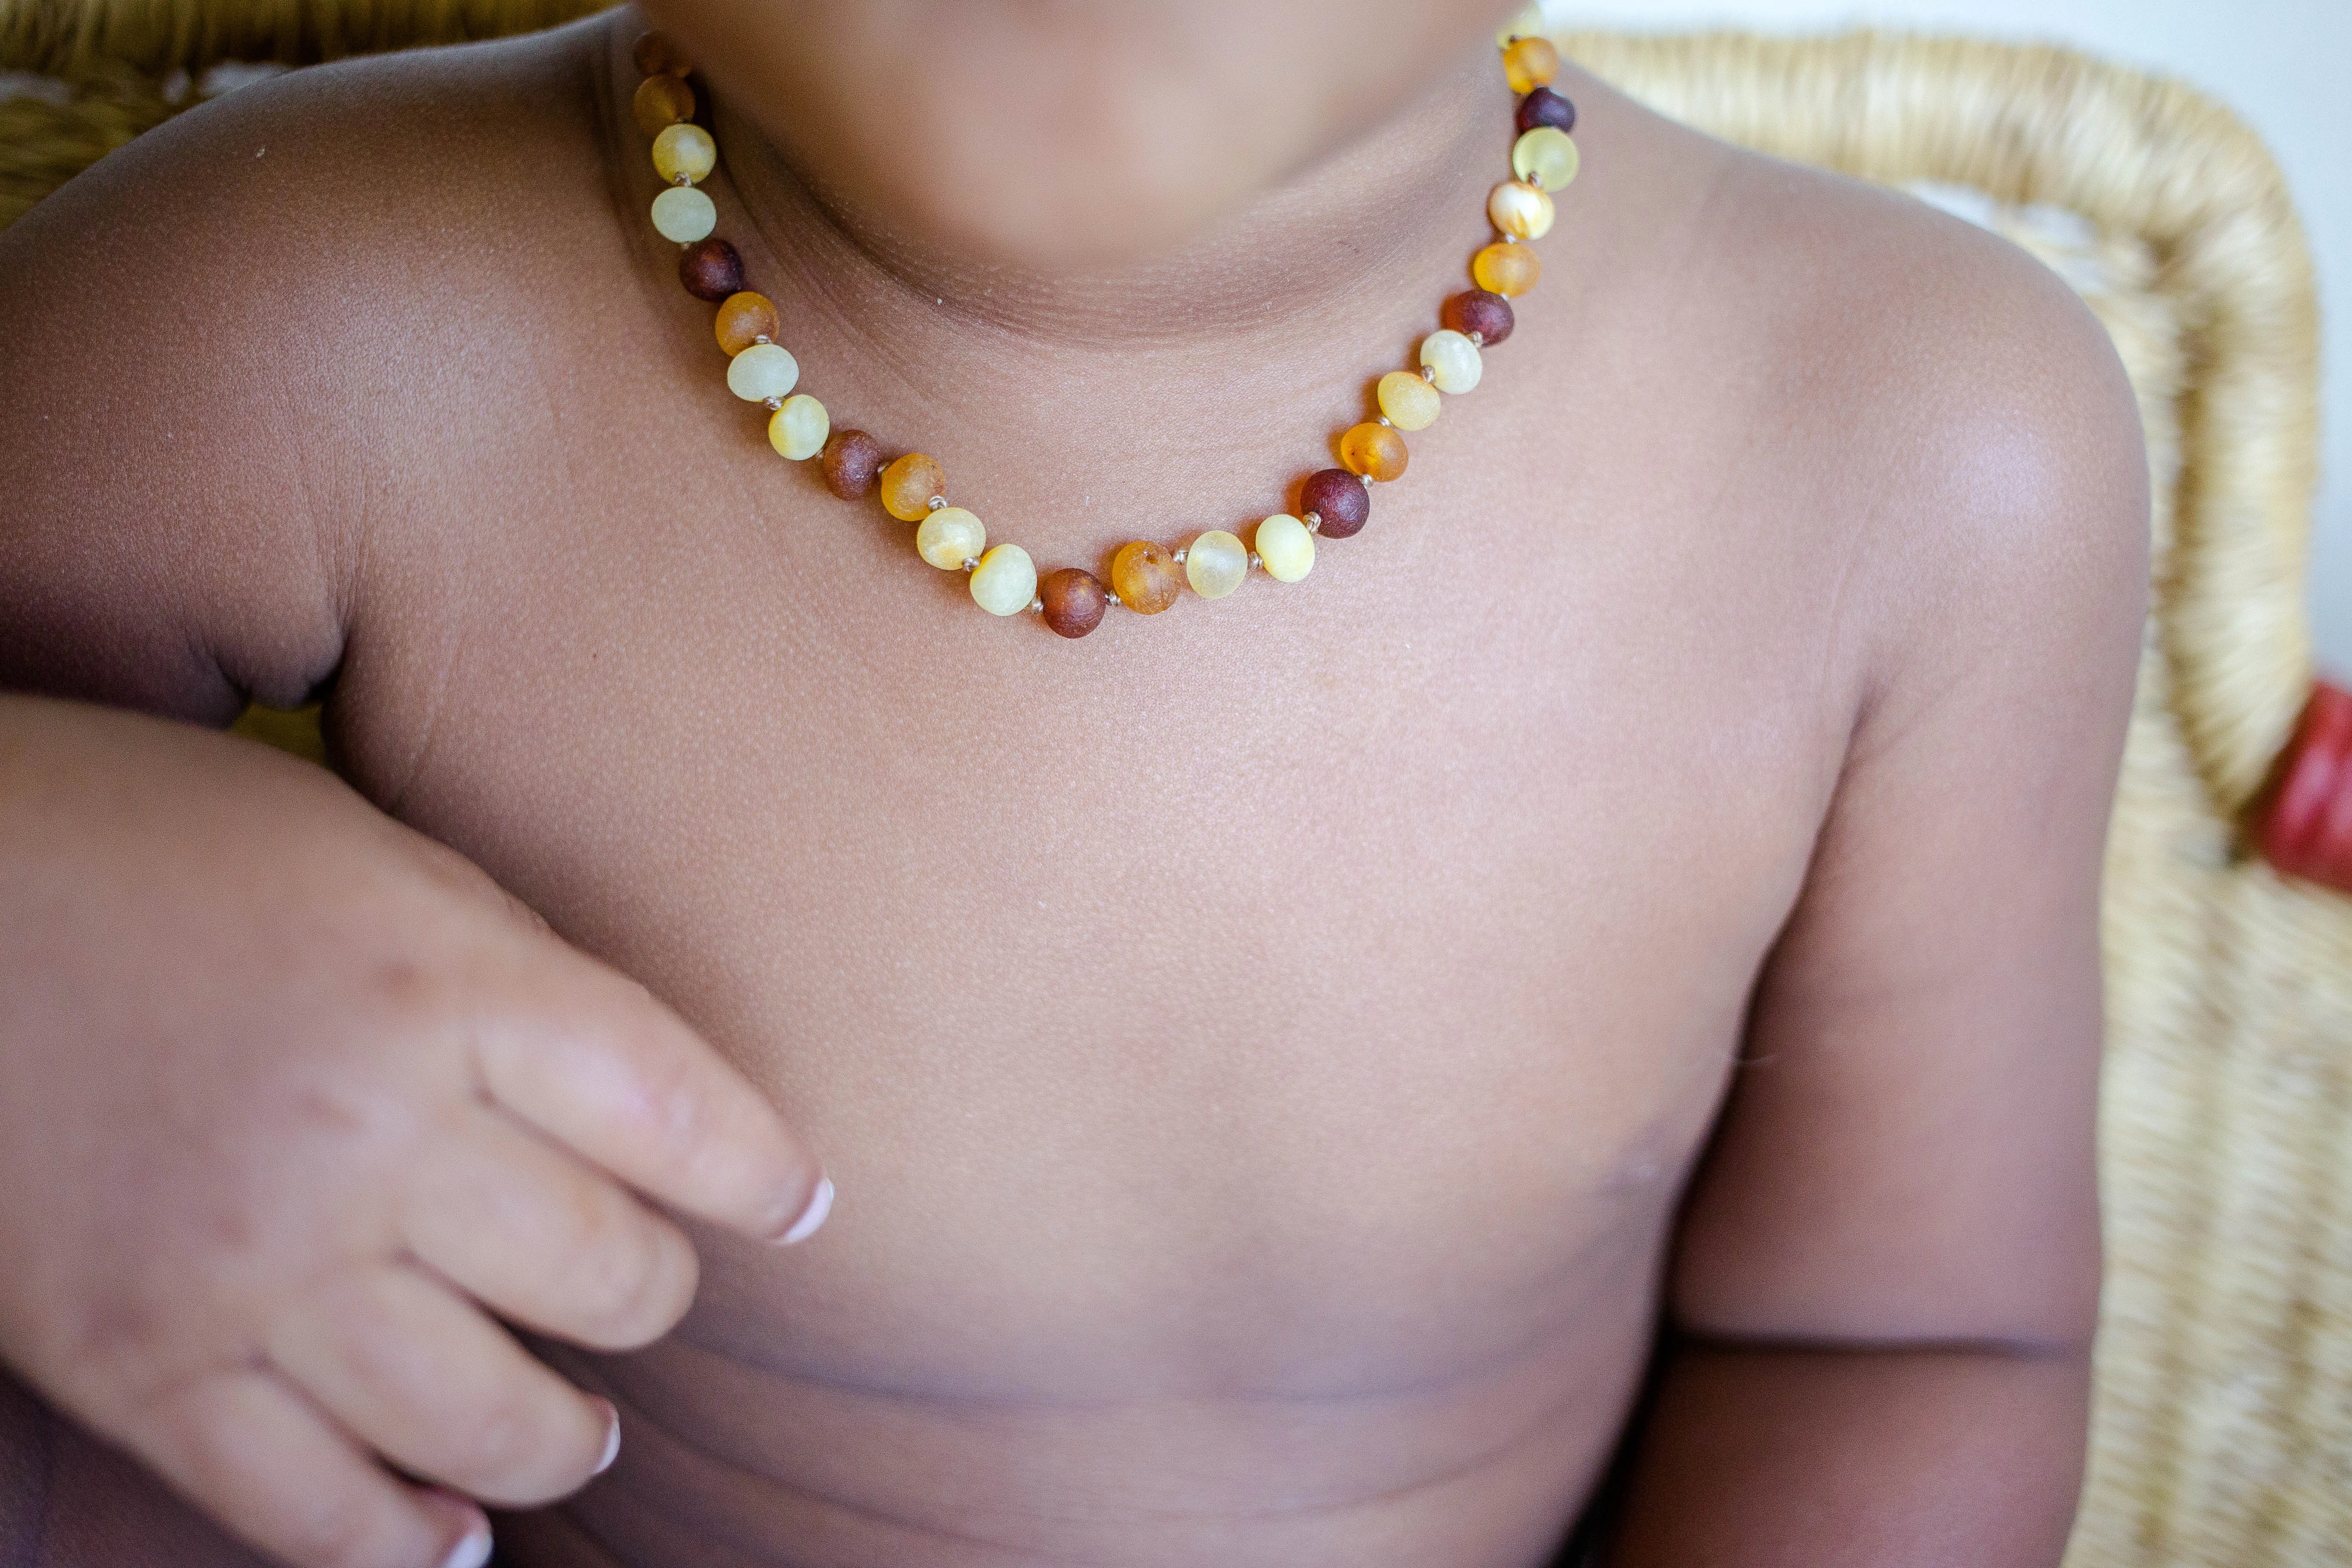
[2285,65]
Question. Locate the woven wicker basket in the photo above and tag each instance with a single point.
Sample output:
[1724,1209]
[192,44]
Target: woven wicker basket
[2224,1425]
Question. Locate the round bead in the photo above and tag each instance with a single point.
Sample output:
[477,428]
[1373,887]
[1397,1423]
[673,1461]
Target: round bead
[1337,498]
[685,153]
[1519,210]
[1074,601]
[1530,63]
[744,318]
[1215,563]
[684,215]
[1410,403]
[1283,547]
[661,102]
[1454,362]
[1527,23]
[1507,269]
[761,371]
[1374,451]
[908,485]
[798,429]
[1545,106]
[852,461]
[1145,576]
[657,55]
[1004,580]
[710,269]
[1546,157]
[949,537]
[1477,311]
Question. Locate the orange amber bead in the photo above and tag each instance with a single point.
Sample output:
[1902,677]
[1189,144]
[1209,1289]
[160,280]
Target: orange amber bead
[1507,268]
[908,485]
[661,102]
[1145,577]
[656,55]
[1375,451]
[744,319]
[1530,63]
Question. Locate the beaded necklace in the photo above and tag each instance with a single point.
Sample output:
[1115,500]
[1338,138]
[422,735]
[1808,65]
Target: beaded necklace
[1146,576]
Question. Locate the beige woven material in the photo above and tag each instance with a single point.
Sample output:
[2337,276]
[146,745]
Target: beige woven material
[2224,1427]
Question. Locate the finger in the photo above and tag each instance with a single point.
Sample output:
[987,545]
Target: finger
[628,1086]
[275,1471]
[546,1240]
[437,1388]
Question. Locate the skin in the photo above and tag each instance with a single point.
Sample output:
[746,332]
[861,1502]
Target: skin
[1283,1061]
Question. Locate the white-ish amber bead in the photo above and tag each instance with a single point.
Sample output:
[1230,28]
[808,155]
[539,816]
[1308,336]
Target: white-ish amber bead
[685,151]
[1285,548]
[949,537]
[1546,157]
[1215,563]
[1519,210]
[1453,359]
[684,215]
[1408,402]
[1527,23]
[1004,580]
[761,371]
[798,429]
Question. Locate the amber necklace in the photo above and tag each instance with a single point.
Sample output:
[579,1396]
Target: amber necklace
[1145,576]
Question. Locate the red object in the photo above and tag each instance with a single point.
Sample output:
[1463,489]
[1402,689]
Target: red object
[2307,830]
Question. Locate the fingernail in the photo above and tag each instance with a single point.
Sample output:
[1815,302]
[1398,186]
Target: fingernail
[611,1437]
[820,1205]
[473,1549]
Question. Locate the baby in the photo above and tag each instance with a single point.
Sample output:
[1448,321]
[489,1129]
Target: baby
[1585,1008]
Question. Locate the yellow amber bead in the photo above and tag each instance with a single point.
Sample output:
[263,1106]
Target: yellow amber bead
[1546,157]
[1527,23]
[1519,210]
[1374,451]
[685,153]
[1144,576]
[1411,403]
[1453,362]
[1507,269]
[908,485]
[1530,63]
[761,371]
[1215,563]
[684,215]
[1005,580]
[661,100]
[743,319]
[1285,548]
[949,537]
[798,429]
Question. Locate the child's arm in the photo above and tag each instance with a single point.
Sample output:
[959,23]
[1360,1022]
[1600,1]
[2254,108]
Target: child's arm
[1887,1270]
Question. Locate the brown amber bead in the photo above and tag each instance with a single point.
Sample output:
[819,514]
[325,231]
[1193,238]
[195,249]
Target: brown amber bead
[1477,311]
[661,102]
[1145,577]
[1339,501]
[657,55]
[1375,451]
[908,485]
[852,461]
[1074,601]
[743,319]
[710,269]
[1545,106]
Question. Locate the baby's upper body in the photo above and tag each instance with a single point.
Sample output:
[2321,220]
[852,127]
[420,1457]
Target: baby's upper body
[1265,1050]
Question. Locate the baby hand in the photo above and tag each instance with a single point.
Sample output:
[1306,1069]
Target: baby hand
[294,1105]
